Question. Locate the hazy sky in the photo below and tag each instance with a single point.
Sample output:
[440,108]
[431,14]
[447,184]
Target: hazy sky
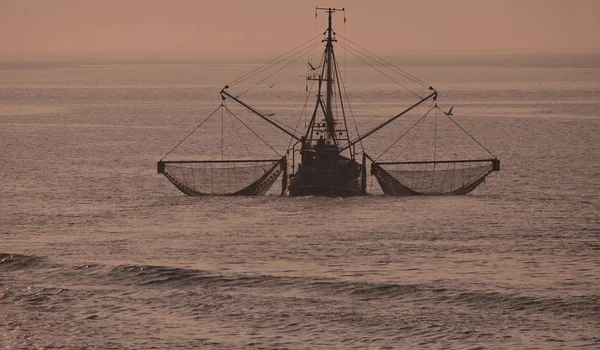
[269,26]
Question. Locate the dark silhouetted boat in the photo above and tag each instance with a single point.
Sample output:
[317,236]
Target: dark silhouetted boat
[328,163]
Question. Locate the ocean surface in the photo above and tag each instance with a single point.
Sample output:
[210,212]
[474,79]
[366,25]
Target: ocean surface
[98,251]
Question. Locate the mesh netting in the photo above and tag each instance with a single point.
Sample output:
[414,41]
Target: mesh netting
[231,177]
[432,178]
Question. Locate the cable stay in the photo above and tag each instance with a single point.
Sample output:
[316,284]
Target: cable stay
[358,55]
[386,64]
[274,61]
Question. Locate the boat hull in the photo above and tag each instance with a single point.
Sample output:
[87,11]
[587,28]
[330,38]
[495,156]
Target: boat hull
[312,182]
[324,191]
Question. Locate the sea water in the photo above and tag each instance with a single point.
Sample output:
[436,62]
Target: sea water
[100,251]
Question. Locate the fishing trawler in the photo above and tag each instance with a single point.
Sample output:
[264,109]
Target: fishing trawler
[328,162]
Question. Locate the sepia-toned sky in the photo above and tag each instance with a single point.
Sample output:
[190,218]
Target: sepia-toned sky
[270,26]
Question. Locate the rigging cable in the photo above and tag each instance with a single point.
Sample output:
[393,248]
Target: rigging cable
[354,52]
[434,143]
[295,129]
[390,65]
[196,128]
[413,137]
[222,133]
[351,113]
[303,111]
[300,54]
[434,134]
[283,124]
[244,124]
[465,131]
[240,137]
[339,83]
[344,53]
[270,63]
[406,132]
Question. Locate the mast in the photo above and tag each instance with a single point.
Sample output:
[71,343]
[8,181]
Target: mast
[329,48]
[329,74]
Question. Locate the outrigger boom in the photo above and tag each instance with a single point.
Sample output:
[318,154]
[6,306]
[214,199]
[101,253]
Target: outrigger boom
[264,117]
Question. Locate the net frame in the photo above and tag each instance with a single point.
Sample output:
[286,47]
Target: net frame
[392,183]
[187,182]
